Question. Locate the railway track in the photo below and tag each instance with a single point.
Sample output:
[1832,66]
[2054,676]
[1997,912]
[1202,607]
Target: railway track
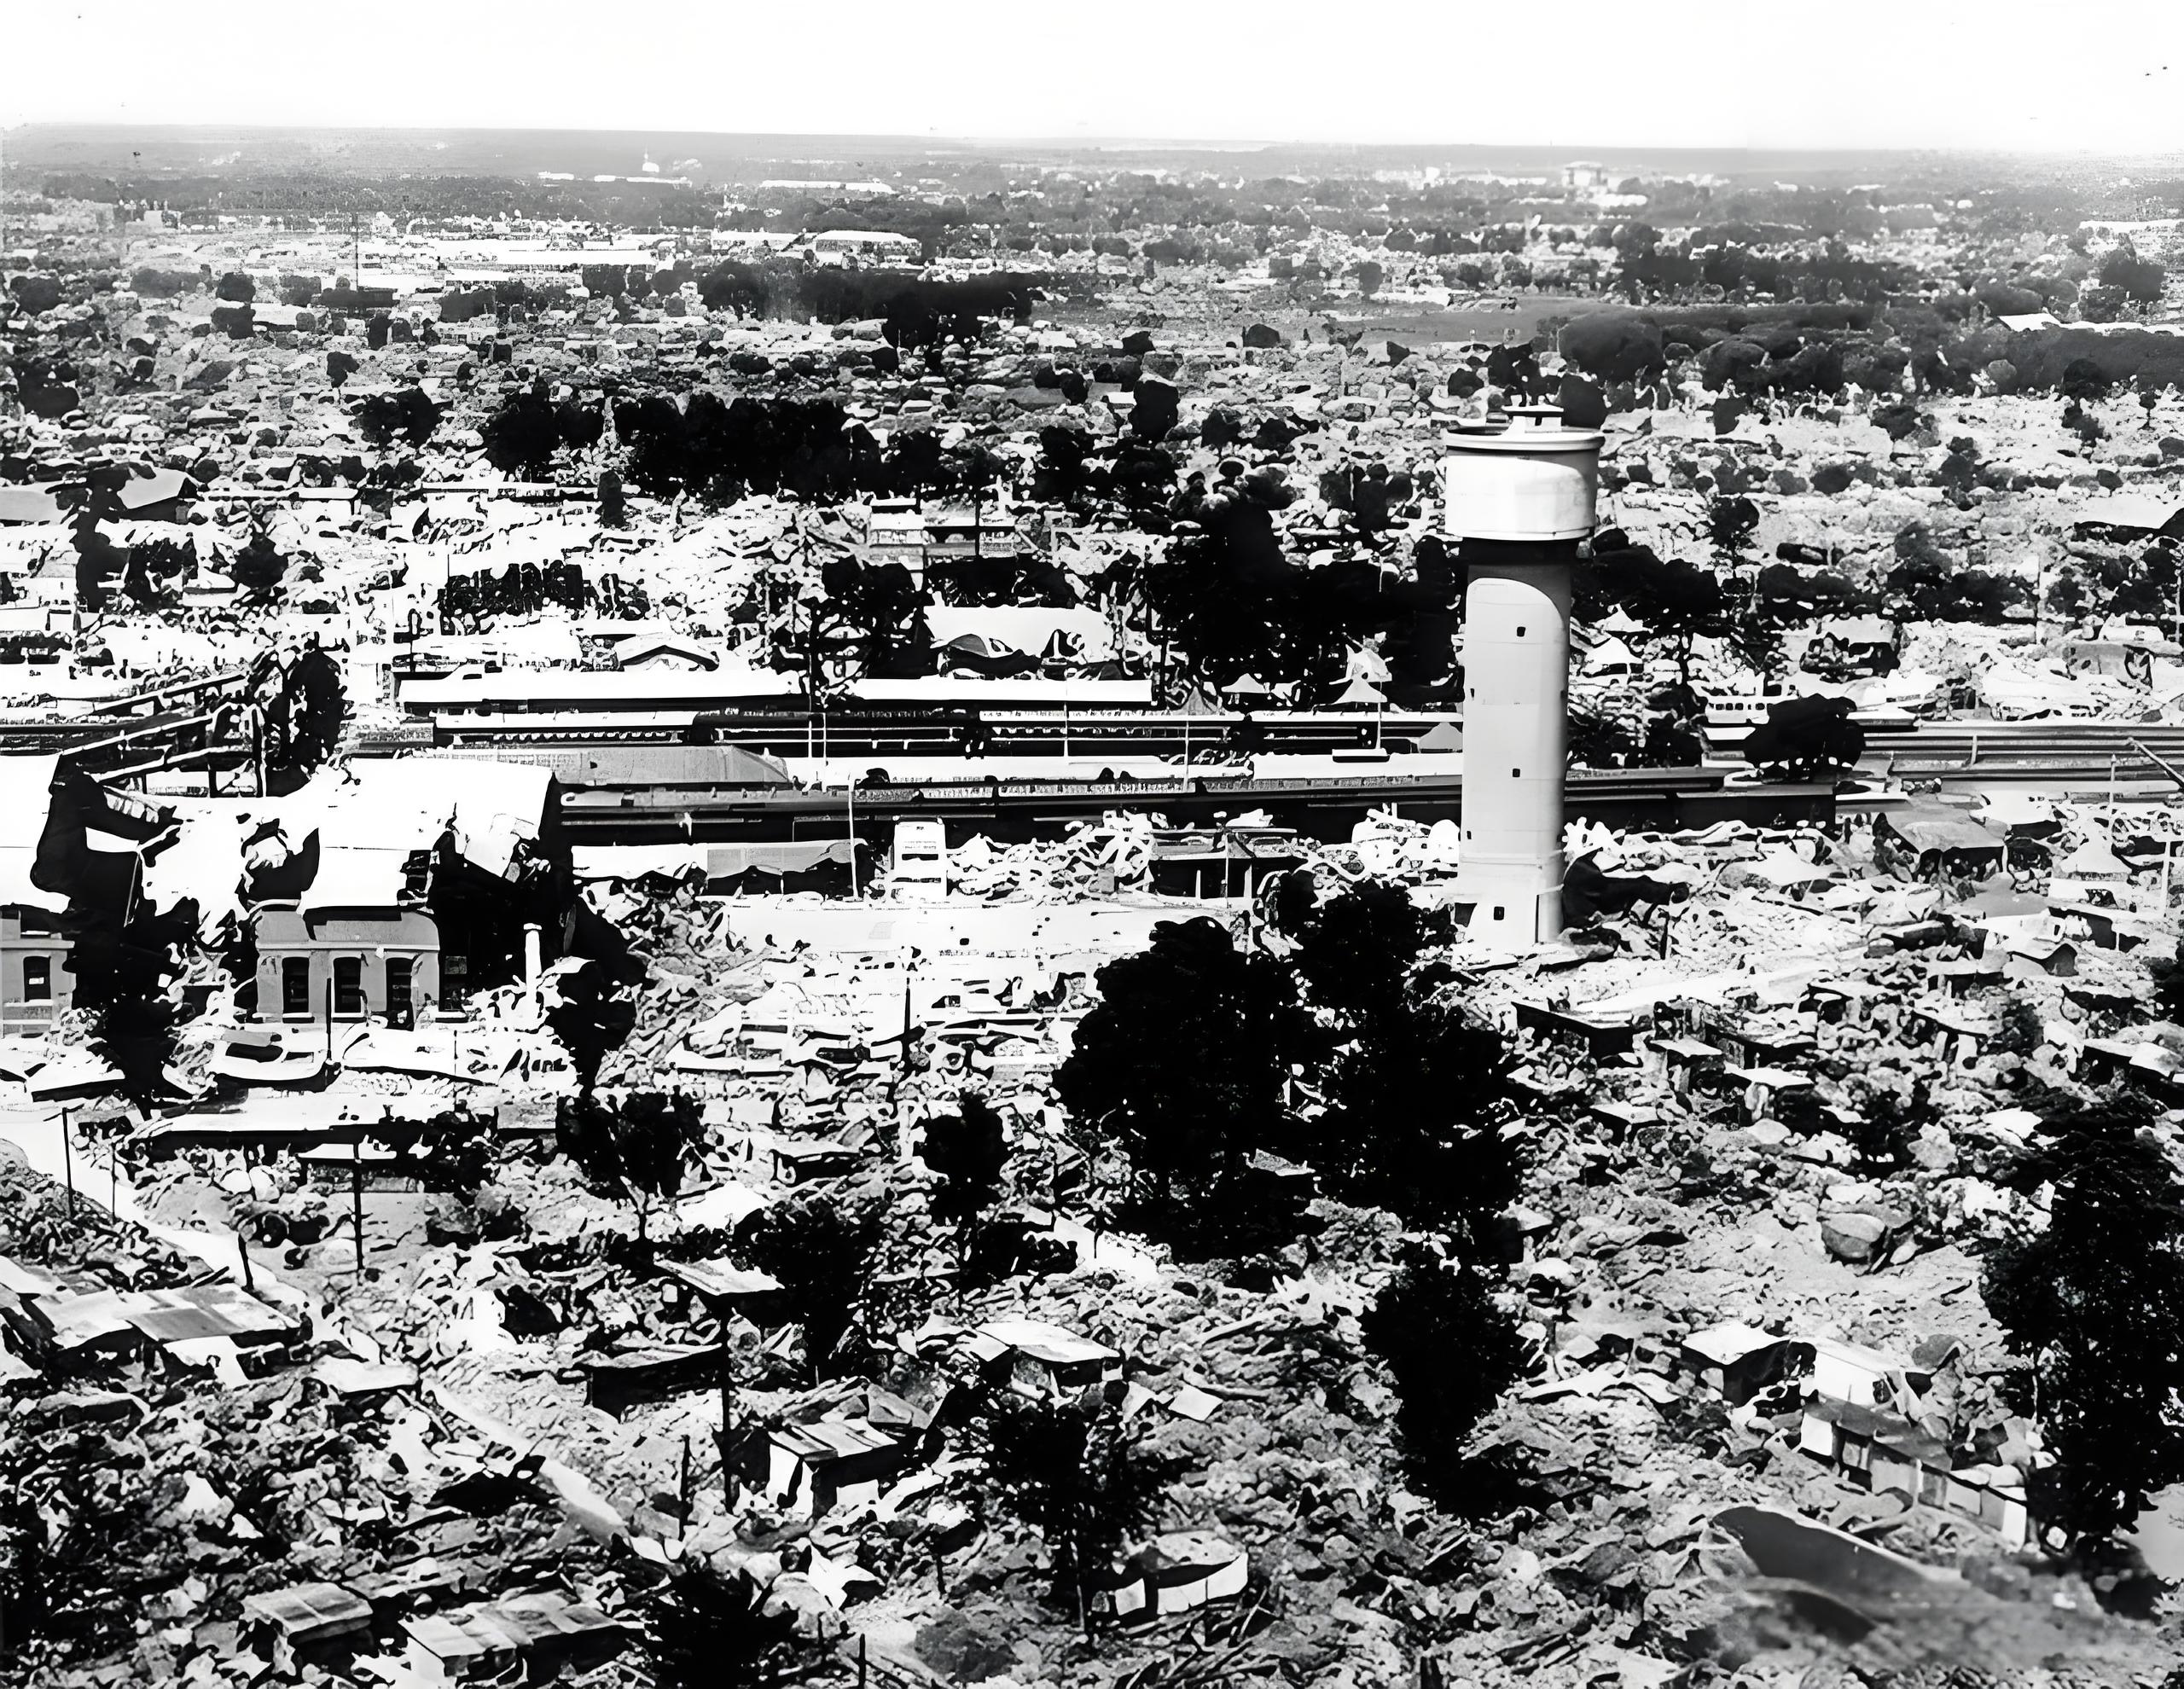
[1326,808]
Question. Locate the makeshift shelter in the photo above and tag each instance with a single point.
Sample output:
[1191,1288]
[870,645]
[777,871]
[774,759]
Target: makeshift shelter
[1043,1361]
[1734,1362]
[1931,839]
[811,1469]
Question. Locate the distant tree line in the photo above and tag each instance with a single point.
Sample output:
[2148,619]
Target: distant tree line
[1819,351]
[915,311]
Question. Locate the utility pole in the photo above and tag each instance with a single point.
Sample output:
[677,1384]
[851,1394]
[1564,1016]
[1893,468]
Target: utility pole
[851,790]
[356,1199]
[727,1417]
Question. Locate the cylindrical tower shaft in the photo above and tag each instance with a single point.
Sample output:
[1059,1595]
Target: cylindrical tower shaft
[1516,734]
[1518,502]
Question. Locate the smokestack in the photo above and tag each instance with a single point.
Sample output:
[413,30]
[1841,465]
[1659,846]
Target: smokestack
[1517,502]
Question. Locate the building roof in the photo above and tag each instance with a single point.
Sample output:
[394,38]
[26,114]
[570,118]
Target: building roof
[352,879]
[491,805]
[1934,828]
[308,1608]
[776,856]
[161,486]
[719,1278]
[1859,629]
[1019,691]
[1893,1430]
[29,505]
[2135,511]
[634,653]
[1730,1341]
[203,1311]
[828,1439]
[26,806]
[1051,1345]
[581,687]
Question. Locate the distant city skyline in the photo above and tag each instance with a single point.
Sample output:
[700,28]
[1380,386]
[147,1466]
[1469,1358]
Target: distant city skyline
[1860,75]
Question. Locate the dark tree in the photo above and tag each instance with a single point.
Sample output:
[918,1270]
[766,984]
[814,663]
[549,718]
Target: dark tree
[1583,405]
[1235,604]
[1678,601]
[1614,347]
[340,366]
[613,503]
[2139,280]
[1183,1062]
[1413,1092]
[821,1251]
[641,1144]
[707,1630]
[122,969]
[236,288]
[2083,381]
[1370,275]
[1158,406]
[1926,585]
[1807,739]
[454,1151]
[1075,1473]
[969,1150]
[2169,982]
[2091,1304]
[1730,525]
[305,707]
[1453,1351]
[1062,476]
[873,613]
[98,559]
[522,435]
[35,294]
[409,414]
[259,568]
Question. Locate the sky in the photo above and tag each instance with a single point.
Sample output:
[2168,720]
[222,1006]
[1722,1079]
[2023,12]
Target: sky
[2101,76]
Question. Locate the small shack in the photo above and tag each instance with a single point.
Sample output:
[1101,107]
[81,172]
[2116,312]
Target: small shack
[1043,1362]
[812,1469]
[1734,1360]
[313,1624]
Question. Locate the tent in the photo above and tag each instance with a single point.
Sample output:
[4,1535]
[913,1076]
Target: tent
[1360,695]
[2093,860]
[1612,656]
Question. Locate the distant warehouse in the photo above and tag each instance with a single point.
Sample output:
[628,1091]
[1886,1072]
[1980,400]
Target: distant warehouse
[853,246]
[819,189]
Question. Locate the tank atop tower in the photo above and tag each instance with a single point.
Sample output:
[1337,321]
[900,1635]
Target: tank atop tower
[1527,480]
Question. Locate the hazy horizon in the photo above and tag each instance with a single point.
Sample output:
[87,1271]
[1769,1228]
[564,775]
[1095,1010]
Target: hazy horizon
[151,153]
[1866,77]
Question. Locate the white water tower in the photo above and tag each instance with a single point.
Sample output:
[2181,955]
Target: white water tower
[1517,500]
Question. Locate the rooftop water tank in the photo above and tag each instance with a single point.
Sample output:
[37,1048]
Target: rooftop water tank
[1533,479]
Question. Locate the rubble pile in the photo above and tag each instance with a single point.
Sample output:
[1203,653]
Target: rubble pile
[1099,858]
